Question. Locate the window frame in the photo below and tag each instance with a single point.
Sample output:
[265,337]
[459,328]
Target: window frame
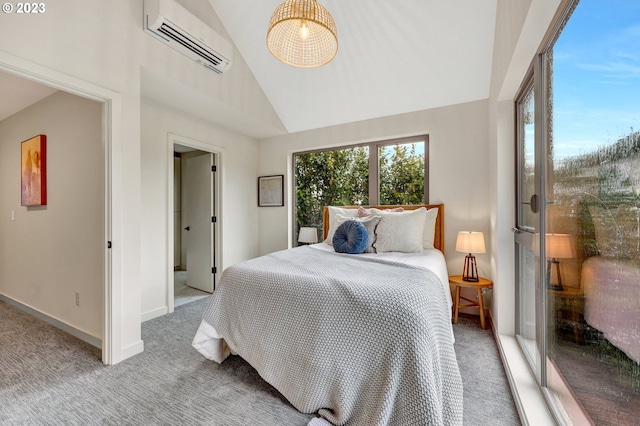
[374,177]
[558,395]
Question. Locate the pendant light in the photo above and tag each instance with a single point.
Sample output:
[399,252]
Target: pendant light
[303,34]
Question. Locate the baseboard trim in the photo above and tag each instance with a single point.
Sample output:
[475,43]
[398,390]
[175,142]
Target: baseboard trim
[155,313]
[133,349]
[86,337]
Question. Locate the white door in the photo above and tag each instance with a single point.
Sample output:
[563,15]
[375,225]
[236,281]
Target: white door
[200,254]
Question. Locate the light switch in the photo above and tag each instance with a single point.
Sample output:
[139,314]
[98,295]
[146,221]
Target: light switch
[13,215]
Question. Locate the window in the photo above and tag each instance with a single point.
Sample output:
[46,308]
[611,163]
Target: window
[526,224]
[584,245]
[378,173]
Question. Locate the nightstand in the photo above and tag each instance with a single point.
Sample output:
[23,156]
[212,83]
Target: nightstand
[567,307]
[458,282]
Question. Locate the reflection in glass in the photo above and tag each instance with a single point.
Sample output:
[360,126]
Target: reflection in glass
[594,195]
[527,182]
[526,294]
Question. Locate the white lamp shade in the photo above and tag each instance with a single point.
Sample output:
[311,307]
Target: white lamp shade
[470,242]
[308,235]
[559,246]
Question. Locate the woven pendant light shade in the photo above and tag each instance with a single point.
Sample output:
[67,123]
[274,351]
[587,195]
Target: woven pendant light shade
[302,33]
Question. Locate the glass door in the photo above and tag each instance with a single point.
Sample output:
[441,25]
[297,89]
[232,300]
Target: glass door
[577,234]
[526,231]
[592,218]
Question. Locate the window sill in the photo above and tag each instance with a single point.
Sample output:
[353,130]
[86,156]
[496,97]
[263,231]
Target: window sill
[528,398]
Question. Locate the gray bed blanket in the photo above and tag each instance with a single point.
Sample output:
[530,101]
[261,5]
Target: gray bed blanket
[358,340]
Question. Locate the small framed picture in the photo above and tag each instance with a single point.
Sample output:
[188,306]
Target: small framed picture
[33,169]
[271,191]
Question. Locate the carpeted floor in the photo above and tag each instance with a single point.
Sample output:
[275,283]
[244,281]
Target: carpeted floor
[48,377]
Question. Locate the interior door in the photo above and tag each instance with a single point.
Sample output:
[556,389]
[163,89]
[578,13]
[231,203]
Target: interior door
[199,199]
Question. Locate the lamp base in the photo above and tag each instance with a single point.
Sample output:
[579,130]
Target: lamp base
[470,270]
[554,265]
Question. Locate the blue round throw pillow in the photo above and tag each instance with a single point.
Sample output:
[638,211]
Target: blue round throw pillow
[351,237]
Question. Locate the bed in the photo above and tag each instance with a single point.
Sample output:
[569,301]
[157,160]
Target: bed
[359,339]
[610,276]
[612,290]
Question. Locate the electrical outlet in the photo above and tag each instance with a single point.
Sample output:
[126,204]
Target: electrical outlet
[77,299]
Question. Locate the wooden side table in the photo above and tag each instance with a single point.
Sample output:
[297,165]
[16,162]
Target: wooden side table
[566,310]
[482,283]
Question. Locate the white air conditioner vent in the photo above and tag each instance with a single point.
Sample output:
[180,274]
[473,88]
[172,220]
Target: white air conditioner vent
[175,26]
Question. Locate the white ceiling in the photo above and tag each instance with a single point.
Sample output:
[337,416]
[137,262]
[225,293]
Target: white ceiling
[18,93]
[393,57]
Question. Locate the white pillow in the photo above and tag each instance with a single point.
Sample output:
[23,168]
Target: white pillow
[429,233]
[362,212]
[333,223]
[401,232]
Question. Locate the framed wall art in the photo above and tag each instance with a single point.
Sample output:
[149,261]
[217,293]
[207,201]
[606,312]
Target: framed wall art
[33,167]
[271,191]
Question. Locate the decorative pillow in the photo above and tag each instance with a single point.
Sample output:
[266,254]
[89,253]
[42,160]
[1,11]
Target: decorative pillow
[401,232]
[429,233]
[362,212]
[370,223]
[350,237]
[333,224]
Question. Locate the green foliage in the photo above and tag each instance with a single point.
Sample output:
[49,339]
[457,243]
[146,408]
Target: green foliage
[329,178]
[341,178]
[401,175]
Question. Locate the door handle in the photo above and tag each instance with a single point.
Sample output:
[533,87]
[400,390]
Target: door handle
[535,203]
[188,228]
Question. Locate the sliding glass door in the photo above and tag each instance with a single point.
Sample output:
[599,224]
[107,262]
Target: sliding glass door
[577,237]
[527,227]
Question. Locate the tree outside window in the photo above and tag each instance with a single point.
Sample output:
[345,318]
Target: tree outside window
[341,177]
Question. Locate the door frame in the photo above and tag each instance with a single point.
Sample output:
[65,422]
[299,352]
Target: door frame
[112,351]
[175,139]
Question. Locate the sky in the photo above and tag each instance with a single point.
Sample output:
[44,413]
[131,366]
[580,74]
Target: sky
[596,76]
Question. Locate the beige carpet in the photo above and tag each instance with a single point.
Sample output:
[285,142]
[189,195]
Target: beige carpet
[48,377]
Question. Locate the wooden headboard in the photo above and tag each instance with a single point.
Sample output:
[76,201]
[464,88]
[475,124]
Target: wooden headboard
[438,241]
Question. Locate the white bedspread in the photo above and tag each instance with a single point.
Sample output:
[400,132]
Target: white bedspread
[612,290]
[431,259]
[359,340]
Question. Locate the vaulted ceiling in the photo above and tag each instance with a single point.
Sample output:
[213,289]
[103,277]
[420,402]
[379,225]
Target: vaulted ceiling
[393,57]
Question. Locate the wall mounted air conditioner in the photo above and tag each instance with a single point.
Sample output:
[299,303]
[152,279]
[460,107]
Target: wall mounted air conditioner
[175,26]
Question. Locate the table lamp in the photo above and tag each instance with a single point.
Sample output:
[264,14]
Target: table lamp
[558,246]
[470,242]
[308,235]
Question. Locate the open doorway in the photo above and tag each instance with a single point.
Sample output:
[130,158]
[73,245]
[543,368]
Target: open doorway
[72,303]
[194,221]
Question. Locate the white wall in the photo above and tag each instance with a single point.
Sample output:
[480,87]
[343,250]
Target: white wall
[238,220]
[102,43]
[458,163]
[49,253]
[520,30]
